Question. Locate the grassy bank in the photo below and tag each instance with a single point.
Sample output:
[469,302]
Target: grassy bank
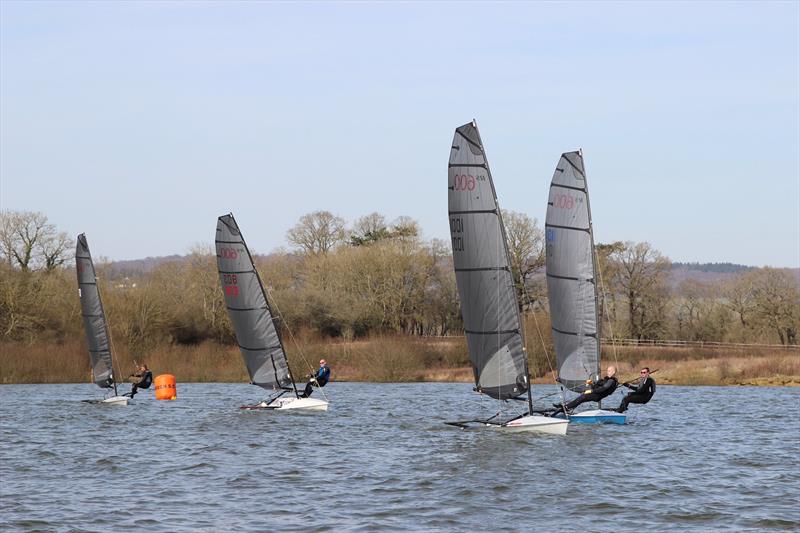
[392,359]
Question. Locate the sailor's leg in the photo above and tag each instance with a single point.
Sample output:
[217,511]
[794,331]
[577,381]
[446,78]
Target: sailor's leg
[624,405]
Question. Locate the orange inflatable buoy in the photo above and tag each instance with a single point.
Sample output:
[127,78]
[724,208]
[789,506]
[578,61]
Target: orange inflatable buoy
[165,387]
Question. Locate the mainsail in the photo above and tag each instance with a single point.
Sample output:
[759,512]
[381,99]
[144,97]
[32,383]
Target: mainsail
[249,310]
[483,274]
[571,274]
[94,318]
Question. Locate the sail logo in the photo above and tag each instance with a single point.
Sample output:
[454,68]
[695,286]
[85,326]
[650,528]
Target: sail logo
[228,253]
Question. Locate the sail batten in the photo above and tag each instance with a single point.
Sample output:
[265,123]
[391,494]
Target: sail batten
[483,275]
[249,310]
[94,317]
[571,274]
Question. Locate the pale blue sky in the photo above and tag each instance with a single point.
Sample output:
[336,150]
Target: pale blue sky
[140,123]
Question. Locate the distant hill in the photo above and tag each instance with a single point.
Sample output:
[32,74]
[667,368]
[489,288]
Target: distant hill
[133,268]
[723,268]
[704,272]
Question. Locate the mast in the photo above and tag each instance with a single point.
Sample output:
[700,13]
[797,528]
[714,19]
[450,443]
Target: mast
[489,306]
[249,310]
[98,338]
[508,260]
[269,307]
[597,315]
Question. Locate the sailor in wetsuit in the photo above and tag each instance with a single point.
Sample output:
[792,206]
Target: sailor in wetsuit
[320,379]
[142,379]
[642,391]
[597,392]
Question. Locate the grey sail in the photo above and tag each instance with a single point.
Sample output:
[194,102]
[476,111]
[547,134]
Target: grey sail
[249,310]
[480,258]
[94,318]
[571,279]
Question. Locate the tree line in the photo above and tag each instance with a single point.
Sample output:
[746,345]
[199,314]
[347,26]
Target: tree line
[371,277]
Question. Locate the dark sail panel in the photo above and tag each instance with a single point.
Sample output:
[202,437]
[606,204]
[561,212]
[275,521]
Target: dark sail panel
[94,318]
[249,309]
[485,285]
[571,279]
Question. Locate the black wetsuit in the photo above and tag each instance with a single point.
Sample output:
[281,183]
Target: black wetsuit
[600,390]
[641,393]
[321,378]
[145,380]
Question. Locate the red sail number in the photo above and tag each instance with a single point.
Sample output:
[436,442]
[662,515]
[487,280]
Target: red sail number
[464,182]
[228,253]
[563,201]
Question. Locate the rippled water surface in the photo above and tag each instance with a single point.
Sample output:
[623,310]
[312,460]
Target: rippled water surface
[381,459]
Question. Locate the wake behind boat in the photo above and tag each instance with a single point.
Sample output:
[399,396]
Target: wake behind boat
[571,268]
[94,322]
[249,310]
[492,324]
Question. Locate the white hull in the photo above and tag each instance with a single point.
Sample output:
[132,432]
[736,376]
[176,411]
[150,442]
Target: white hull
[309,404]
[539,424]
[117,400]
[283,404]
[114,400]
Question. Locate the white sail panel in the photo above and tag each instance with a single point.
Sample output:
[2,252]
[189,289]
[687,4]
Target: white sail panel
[483,275]
[248,309]
[571,279]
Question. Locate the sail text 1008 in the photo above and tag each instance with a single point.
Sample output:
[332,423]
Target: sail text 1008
[456,229]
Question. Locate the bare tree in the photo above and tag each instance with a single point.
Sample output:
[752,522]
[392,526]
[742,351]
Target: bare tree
[777,301]
[526,250]
[368,229]
[405,227]
[739,296]
[317,232]
[641,277]
[54,249]
[29,241]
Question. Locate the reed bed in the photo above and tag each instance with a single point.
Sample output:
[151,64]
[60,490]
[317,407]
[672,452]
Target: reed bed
[390,359]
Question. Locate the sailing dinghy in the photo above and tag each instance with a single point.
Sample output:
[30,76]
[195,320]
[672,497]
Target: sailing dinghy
[492,324]
[252,318]
[94,321]
[572,284]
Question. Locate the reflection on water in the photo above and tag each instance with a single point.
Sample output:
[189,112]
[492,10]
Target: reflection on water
[381,458]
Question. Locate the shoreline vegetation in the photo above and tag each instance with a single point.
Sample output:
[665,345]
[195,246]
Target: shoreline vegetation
[397,359]
[380,302]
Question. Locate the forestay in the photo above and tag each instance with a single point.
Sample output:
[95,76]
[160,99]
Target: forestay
[249,310]
[480,258]
[571,279]
[94,318]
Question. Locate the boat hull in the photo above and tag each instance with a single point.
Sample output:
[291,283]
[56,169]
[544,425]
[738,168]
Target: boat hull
[114,400]
[596,416]
[536,423]
[284,404]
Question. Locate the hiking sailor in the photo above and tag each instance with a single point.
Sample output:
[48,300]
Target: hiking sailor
[595,392]
[320,379]
[141,379]
[643,389]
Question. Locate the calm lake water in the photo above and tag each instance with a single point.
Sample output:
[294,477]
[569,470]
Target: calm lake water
[703,458]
